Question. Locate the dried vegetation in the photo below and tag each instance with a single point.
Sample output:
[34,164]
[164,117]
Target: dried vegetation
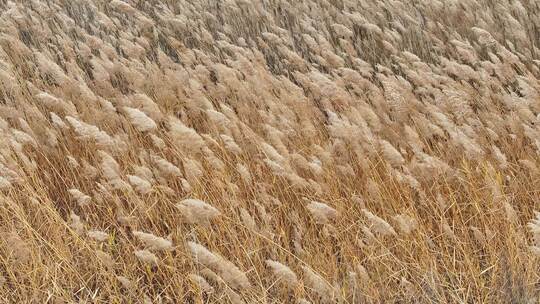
[268,151]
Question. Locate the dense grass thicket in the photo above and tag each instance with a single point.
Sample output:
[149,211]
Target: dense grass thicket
[268,151]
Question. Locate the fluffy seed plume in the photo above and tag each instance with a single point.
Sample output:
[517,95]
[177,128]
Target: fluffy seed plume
[97,235]
[322,212]
[146,256]
[76,223]
[378,225]
[225,269]
[153,242]
[197,211]
[126,283]
[405,223]
[90,132]
[140,120]
[282,272]
[186,138]
[318,285]
[141,185]
[105,258]
[534,227]
[80,198]
[201,283]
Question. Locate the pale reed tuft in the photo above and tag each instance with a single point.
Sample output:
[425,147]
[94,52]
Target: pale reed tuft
[197,211]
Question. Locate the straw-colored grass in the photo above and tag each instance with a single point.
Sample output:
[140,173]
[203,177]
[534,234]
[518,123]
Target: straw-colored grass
[268,151]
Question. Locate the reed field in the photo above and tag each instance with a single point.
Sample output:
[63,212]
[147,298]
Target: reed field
[270,151]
